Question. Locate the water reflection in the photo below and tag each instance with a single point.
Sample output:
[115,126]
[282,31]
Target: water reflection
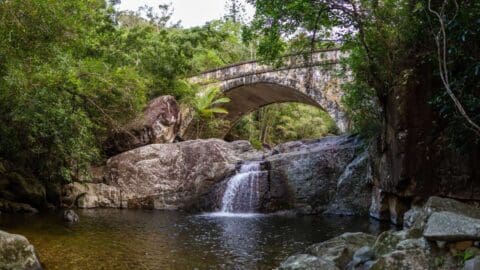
[128,239]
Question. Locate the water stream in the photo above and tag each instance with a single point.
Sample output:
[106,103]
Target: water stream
[242,192]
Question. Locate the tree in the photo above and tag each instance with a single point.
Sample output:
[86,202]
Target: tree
[279,123]
[235,11]
[390,47]
[206,105]
[442,51]
[59,92]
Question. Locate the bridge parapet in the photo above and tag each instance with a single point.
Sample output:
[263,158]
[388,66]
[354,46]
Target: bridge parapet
[243,69]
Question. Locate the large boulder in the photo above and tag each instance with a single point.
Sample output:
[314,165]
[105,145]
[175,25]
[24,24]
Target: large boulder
[159,123]
[341,249]
[91,195]
[447,226]
[170,176]
[438,204]
[17,253]
[403,260]
[306,262]
[417,217]
[335,253]
[329,175]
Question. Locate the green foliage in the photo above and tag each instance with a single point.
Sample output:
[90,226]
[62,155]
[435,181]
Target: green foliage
[207,105]
[279,123]
[58,93]
[391,45]
[287,26]
[362,108]
[465,255]
[463,33]
[72,71]
[235,11]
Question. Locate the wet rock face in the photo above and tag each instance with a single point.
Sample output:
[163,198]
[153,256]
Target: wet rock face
[170,176]
[159,123]
[330,175]
[185,175]
[412,156]
[17,253]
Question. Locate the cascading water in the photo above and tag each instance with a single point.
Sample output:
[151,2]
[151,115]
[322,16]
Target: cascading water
[242,194]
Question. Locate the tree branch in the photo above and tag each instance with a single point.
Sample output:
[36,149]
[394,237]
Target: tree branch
[442,54]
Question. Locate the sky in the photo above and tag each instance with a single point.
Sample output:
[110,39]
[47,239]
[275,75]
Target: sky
[189,12]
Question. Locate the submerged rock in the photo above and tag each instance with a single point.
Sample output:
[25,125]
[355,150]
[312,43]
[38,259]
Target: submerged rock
[17,253]
[70,216]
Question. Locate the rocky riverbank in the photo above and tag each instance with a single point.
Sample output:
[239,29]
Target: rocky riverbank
[317,176]
[441,234]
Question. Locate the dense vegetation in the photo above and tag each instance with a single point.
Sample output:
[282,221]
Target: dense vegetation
[392,43]
[71,72]
[279,123]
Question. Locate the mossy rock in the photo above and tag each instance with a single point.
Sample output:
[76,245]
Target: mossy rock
[13,207]
[26,189]
[387,242]
[17,253]
[340,249]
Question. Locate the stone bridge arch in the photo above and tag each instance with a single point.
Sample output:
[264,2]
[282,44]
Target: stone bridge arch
[251,85]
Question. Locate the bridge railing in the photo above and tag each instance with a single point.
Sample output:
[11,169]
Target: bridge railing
[238,70]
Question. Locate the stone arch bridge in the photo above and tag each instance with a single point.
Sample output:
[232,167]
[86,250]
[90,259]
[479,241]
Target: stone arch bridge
[312,79]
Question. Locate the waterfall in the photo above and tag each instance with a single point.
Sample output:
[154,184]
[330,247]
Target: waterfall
[242,194]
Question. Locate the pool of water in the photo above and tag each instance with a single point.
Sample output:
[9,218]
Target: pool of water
[137,239]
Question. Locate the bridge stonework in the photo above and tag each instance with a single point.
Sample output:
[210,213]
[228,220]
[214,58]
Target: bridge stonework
[250,85]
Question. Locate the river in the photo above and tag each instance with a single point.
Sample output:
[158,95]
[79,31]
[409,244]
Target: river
[142,239]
